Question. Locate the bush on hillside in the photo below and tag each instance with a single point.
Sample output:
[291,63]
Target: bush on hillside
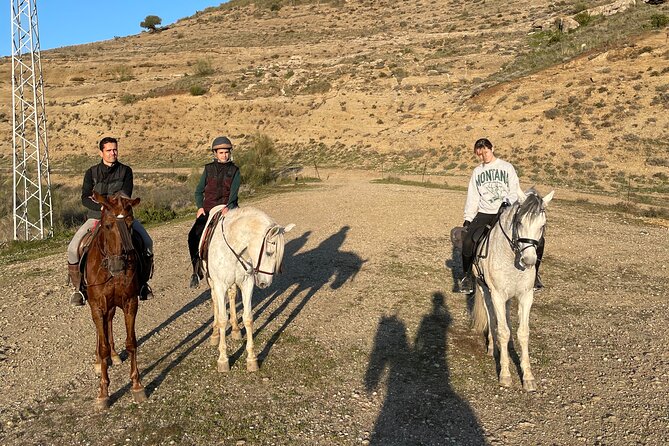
[258,162]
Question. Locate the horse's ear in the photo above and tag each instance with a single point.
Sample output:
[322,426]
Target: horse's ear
[547,199]
[99,198]
[134,202]
[289,227]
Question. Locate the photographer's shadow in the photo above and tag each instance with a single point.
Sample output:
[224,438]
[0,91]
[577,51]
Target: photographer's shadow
[420,407]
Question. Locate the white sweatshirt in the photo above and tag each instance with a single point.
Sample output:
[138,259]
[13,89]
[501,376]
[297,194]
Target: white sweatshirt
[489,185]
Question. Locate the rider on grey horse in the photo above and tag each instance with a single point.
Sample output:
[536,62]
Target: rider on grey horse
[494,183]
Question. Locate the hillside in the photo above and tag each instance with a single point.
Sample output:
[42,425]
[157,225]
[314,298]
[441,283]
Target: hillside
[398,86]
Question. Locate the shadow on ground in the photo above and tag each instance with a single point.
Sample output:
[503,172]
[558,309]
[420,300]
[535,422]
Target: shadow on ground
[420,407]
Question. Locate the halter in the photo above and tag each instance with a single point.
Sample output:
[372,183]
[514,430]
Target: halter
[514,240]
[248,265]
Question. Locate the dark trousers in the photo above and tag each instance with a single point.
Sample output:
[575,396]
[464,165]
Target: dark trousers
[194,237]
[476,231]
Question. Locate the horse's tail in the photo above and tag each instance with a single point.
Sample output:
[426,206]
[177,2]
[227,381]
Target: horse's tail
[479,313]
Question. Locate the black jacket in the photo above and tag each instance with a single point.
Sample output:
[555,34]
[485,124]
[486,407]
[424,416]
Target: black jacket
[105,180]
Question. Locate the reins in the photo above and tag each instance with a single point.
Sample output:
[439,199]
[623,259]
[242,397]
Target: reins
[248,265]
[120,261]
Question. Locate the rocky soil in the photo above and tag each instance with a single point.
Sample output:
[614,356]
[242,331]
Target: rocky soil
[361,340]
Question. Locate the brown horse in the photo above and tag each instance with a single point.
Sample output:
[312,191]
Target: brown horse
[112,274]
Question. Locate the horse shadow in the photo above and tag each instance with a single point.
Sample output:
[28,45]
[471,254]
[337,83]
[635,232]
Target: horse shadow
[306,273]
[420,406]
[194,339]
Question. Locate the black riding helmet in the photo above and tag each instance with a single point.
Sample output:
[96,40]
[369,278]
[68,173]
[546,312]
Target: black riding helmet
[221,142]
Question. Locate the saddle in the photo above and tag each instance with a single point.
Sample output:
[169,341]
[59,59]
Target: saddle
[205,240]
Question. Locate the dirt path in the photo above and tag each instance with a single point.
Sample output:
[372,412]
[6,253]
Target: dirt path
[361,341]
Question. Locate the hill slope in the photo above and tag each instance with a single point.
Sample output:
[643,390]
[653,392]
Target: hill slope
[403,85]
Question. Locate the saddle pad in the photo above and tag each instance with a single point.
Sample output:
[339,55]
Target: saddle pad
[208,233]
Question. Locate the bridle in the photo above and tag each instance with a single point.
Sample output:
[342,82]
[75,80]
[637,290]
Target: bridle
[117,264]
[248,265]
[515,241]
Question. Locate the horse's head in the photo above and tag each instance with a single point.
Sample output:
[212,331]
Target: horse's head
[270,255]
[116,207]
[116,221]
[529,221]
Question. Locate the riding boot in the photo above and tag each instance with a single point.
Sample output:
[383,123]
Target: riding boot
[195,278]
[466,284]
[145,292]
[538,284]
[77,298]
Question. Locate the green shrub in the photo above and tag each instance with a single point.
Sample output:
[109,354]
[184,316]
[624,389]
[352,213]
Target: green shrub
[128,98]
[197,90]
[659,20]
[583,18]
[258,162]
[203,68]
[155,214]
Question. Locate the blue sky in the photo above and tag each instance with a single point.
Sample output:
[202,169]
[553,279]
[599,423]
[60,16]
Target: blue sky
[73,22]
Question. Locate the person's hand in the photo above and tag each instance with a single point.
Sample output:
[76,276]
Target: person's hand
[199,212]
[466,223]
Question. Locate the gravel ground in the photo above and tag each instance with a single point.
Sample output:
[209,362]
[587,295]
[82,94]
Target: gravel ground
[361,340]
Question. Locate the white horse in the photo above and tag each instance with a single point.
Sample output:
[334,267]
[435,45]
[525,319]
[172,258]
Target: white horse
[505,270]
[247,252]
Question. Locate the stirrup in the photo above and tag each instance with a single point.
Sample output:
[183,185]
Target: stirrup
[466,285]
[77,299]
[146,292]
[538,284]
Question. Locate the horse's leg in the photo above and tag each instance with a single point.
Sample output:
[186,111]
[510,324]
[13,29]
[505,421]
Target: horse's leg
[130,314]
[503,335]
[218,297]
[247,316]
[215,337]
[524,306]
[102,353]
[236,333]
[116,359]
[98,359]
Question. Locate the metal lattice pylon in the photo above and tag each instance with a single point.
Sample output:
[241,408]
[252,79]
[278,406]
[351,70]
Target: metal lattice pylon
[33,214]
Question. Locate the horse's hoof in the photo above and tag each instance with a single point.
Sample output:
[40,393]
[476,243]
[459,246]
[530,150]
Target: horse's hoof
[505,381]
[139,395]
[236,335]
[491,352]
[223,366]
[98,370]
[214,340]
[252,365]
[116,360]
[102,403]
[530,385]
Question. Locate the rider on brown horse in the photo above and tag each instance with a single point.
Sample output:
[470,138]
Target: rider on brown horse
[106,178]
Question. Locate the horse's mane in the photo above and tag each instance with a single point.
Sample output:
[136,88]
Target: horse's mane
[532,207]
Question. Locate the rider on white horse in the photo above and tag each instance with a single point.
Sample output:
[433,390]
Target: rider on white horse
[219,185]
[493,183]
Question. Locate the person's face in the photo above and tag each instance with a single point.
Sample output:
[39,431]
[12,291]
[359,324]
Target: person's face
[485,155]
[109,153]
[222,155]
